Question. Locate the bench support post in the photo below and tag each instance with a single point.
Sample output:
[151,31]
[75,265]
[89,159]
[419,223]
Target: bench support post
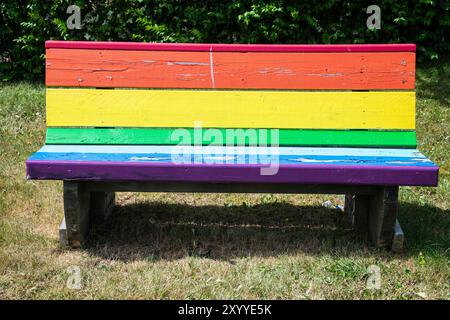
[357,208]
[81,208]
[76,213]
[102,204]
[383,216]
[375,216]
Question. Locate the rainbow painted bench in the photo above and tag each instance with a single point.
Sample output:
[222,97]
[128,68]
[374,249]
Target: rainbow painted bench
[232,118]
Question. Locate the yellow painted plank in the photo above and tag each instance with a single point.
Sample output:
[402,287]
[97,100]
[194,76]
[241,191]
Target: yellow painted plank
[230,109]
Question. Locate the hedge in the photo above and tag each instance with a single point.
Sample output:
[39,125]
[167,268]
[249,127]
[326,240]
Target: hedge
[27,24]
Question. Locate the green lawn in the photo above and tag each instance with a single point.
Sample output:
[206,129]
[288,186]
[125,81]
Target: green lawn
[219,246]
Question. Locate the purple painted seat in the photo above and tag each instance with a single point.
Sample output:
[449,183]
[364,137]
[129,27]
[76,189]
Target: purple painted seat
[358,166]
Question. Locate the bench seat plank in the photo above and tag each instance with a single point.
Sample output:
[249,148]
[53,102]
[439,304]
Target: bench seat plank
[231,150]
[227,164]
[230,109]
[287,137]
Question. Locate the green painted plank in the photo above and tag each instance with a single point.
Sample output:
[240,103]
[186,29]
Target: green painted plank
[287,137]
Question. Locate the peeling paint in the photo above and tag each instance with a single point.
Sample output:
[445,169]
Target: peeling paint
[187,63]
[278,71]
[109,70]
[337,74]
[148,158]
[316,160]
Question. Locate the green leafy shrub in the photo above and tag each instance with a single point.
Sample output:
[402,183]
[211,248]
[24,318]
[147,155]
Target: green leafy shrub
[27,24]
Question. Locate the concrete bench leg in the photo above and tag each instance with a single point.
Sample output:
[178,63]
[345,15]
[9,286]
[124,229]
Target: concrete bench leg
[81,208]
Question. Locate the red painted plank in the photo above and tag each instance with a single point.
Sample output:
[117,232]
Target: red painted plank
[230,70]
[125,68]
[230,47]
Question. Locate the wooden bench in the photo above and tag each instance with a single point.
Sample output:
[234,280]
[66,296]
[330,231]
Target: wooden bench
[232,118]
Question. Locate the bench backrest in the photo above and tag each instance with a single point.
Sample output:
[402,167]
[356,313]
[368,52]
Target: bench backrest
[316,95]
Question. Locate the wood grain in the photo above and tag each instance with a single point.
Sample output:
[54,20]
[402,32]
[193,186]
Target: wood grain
[119,68]
[229,70]
[230,109]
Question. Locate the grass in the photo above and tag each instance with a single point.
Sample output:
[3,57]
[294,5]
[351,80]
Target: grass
[200,246]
